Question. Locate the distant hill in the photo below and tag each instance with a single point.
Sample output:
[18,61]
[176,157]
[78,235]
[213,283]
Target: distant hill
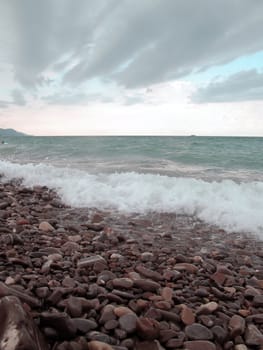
[10,132]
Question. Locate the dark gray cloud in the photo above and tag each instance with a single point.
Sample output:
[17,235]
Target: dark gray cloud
[247,85]
[133,43]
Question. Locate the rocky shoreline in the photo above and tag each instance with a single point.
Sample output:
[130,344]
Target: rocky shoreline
[85,279]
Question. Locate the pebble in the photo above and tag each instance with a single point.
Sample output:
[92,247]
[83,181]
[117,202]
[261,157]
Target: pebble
[128,281]
[199,345]
[46,227]
[97,345]
[90,261]
[128,322]
[187,315]
[147,328]
[236,326]
[197,331]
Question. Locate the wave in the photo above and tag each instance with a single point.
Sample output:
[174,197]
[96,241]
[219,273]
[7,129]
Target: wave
[230,205]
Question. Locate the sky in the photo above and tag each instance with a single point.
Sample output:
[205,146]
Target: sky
[132,67]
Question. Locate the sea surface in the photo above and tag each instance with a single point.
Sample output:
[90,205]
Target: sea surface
[217,179]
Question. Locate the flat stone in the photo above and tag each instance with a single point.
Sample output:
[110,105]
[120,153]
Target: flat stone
[70,247]
[236,325]
[59,321]
[147,328]
[219,277]
[68,282]
[241,347]
[46,227]
[147,256]
[18,330]
[253,336]
[147,285]
[7,291]
[166,334]
[190,268]
[122,310]
[125,283]
[207,308]
[107,314]
[84,325]
[74,306]
[199,345]
[111,324]
[168,315]
[187,315]
[128,322]
[167,294]
[197,331]
[220,334]
[90,261]
[153,275]
[258,300]
[256,318]
[147,345]
[9,281]
[98,345]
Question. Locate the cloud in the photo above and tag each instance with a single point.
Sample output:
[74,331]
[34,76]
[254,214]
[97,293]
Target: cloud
[243,86]
[151,43]
[4,104]
[133,43]
[18,98]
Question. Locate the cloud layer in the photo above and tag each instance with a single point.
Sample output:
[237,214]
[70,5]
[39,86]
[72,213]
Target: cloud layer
[134,43]
[243,86]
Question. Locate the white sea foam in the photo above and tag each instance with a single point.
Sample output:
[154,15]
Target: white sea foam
[231,205]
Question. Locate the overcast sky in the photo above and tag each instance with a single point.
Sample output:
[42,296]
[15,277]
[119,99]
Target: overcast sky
[175,67]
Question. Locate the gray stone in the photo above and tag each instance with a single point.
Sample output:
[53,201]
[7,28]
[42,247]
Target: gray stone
[18,330]
[197,331]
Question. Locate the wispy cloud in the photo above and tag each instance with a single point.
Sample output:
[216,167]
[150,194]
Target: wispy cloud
[243,86]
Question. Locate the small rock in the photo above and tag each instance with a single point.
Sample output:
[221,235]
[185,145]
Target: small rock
[18,330]
[220,334]
[236,325]
[146,256]
[207,308]
[59,321]
[190,268]
[167,294]
[125,283]
[128,322]
[241,347]
[147,285]
[258,300]
[9,281]
[86,262]
[199,345]
[83,325]
[197,331]
[46,227]
[98,345]
[147,328]
[253,336]
[122,310]
[187,315]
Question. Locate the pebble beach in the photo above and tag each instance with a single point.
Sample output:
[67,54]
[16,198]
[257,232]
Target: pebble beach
[81,278]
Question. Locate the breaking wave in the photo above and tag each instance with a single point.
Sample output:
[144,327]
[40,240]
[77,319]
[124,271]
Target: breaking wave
[228,204]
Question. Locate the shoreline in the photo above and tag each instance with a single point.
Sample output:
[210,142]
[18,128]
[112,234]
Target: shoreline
[157,281]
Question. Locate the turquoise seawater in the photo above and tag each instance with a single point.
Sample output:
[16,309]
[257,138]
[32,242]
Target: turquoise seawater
[204,157]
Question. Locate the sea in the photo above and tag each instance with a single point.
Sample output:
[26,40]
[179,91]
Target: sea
[216,179]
